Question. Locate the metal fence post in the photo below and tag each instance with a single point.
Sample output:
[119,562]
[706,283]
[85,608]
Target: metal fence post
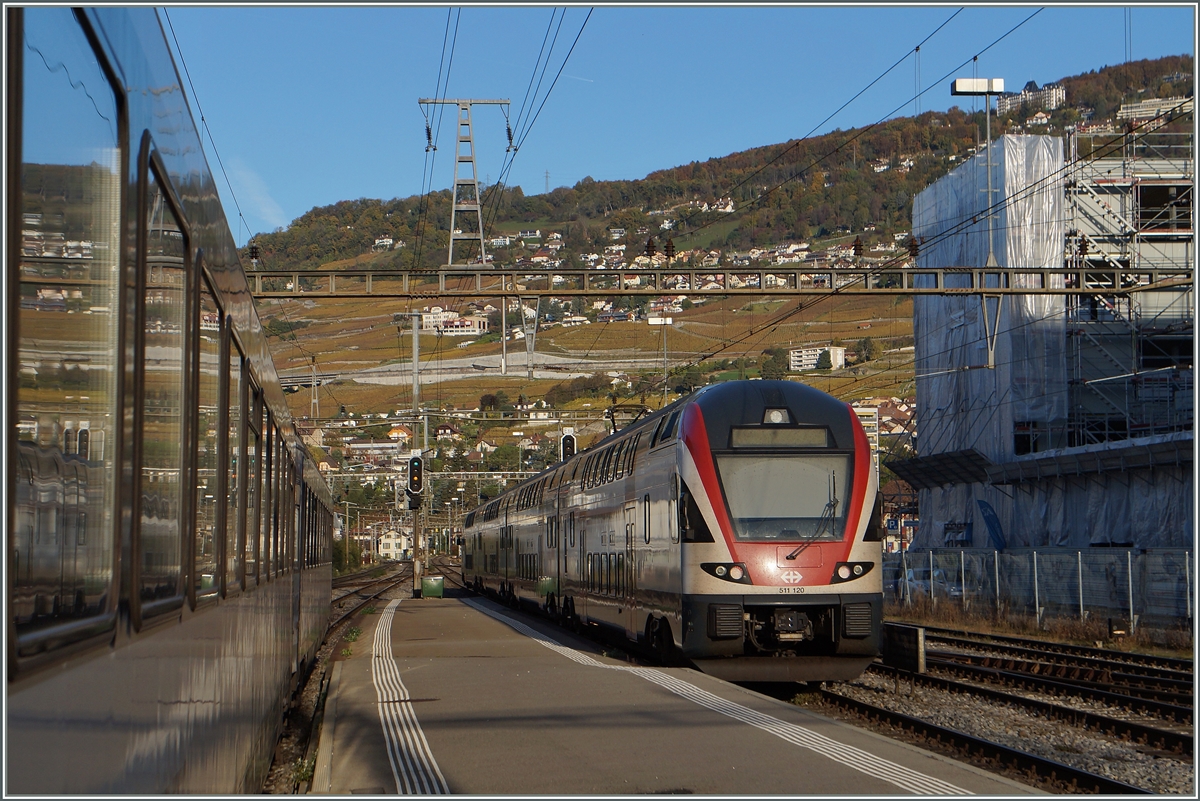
[1037,604]
[996,554]
[1079,560]
[962,569]
[1129,568]
[904,573]
[932,597]
[1187,580]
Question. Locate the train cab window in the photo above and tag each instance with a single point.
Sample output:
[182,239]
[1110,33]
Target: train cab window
[234,464]
[208,399]
[158,525]
[668,430]
[67,307]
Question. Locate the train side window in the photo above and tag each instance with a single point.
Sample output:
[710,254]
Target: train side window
[159,492]
[234,463]
[646,519]
[618,470]
[669,429]
[208,398]
[67,193]
[268,484]
[253,484]
[571,529]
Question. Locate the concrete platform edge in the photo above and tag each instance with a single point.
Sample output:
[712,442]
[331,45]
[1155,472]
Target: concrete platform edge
[323,775]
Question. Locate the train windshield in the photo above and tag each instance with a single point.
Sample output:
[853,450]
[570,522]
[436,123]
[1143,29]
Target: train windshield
[787,498]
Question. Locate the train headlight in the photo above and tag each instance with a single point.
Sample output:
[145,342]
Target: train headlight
[727,571]
[847,571]
[776,417]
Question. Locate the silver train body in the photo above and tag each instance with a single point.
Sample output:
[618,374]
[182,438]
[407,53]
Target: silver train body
[735,527]
[168,537]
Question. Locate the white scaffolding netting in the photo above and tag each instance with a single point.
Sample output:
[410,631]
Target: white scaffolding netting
[963,404]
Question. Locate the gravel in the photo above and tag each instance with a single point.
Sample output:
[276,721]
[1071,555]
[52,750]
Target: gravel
[1050,739]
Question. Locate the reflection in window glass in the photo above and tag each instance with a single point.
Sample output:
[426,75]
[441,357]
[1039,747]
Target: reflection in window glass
[268,500]
[253,427]
[60,562]
[208,399]
[162,400]
[233,521]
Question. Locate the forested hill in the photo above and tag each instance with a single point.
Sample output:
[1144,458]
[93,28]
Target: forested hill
[796,191]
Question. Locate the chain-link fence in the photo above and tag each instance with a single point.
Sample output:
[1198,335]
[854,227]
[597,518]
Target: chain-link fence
[1153,586]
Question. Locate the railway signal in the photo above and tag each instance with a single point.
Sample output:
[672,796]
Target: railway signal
[416,482]
[567,446]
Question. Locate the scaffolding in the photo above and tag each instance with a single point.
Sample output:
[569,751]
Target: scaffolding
[1129,204]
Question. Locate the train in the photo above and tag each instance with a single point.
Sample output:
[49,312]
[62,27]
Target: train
[169,538]
[737,529]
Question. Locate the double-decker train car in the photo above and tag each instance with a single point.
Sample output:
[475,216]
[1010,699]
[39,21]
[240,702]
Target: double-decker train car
[735,527]
[168,537]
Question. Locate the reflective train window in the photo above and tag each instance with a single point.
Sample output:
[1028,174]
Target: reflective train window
[233,465]
[66,310]
[253,484]
[208,400]
[160,410]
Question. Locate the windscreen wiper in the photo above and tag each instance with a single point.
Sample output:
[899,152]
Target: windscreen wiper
[827,517]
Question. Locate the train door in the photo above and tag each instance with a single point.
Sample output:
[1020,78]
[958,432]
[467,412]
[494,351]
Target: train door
[626,572]
[506,543]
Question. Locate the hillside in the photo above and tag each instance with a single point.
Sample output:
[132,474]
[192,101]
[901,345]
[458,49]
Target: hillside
[822,190]
[793,191]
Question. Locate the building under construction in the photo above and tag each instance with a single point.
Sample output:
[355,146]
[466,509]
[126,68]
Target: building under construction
[1058,420]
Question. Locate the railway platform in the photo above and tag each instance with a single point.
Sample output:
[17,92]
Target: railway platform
[462,695]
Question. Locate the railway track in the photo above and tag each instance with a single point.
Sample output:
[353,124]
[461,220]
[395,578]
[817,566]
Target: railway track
[1132,663]
[1177,742]
[366,594]
[1032,768]
[1167,704]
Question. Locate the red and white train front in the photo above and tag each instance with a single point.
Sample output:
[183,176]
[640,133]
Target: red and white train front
[780,559]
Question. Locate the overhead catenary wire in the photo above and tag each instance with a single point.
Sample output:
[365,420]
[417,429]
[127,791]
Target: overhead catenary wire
[953,230]
[853,138]
[204,122]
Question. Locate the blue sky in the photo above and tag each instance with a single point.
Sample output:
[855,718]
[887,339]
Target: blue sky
[312,105]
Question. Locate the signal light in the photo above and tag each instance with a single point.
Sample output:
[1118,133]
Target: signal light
[253,252]
[416,475]
[567,444]
[1083,246]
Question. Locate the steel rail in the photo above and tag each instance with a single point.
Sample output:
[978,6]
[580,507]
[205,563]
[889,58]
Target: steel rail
[1044,653]
[1165,739]
[1042,684]
[1031,764]
[1168,690]
[1149,660]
